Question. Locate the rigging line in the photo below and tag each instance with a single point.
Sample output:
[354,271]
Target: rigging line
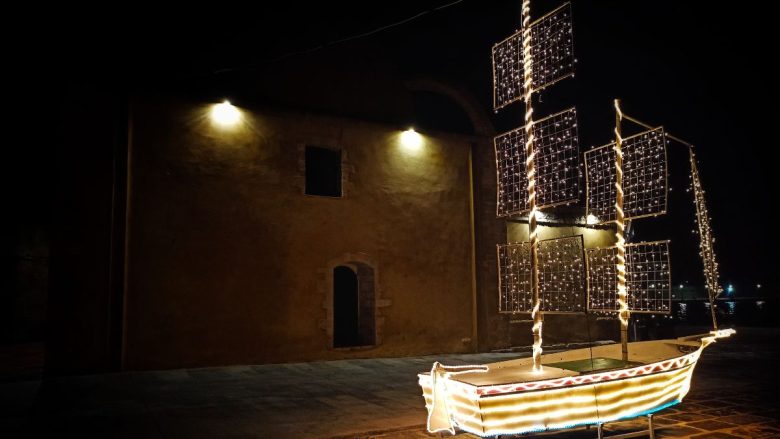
[339,41]
[649,127]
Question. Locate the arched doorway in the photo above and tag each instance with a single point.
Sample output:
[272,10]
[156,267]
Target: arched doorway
[346,313]
[353,306]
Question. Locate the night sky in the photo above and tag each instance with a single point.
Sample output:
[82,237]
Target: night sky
[701,70]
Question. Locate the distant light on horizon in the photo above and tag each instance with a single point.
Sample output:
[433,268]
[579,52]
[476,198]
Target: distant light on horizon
[225,114]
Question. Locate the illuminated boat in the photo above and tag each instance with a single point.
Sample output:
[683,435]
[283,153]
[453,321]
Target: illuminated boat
[575,388]
[626,179]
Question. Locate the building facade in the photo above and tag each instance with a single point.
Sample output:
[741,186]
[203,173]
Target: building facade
[289,235]
[234,257]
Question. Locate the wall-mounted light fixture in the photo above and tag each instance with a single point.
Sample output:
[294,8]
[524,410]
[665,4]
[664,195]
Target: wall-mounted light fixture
[411,140]
[225,114]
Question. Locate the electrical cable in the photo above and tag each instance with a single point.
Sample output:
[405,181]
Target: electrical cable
[341,40]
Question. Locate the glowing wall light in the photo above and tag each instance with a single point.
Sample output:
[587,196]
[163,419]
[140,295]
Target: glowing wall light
[225,114]
[592,219]
[411,140]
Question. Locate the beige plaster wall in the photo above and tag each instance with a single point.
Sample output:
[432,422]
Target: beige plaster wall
[229,262]
[592,237]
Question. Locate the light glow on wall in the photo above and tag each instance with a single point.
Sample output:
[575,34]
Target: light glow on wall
[411,140]
[225,114]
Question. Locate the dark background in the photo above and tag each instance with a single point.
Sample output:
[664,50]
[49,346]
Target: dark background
[702,70]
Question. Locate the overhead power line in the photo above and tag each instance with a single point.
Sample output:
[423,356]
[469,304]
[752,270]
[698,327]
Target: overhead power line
[342,40]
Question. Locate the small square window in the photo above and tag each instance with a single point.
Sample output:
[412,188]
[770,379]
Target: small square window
[323,172]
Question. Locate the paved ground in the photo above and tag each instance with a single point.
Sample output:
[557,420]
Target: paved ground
[734,394]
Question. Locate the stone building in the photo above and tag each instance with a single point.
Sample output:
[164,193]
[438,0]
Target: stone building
[309,229]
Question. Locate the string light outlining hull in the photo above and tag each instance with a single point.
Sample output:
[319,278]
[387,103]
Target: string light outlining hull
[509,398]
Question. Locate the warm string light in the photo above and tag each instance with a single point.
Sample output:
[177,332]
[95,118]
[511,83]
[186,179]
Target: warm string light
[561,276]
[614,395]
[528,91]
[556,159]
[561,411]
[508,71]
[440,412]
[551,51]
[620,245]
[644,185]
[645,174]
[627,179]
[716,334]
[505,390]
[706,240]
[578,403]
[563,402]
[648,278]
[602,279]
[542,53]
[603,402]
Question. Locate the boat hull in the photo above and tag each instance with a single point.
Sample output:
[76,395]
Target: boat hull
[486,408]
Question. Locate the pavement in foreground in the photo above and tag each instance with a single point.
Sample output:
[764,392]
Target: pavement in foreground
[734,394]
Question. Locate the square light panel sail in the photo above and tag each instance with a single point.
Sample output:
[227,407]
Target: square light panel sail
[648,278]
[557,163]
[552,57]
[561,276]
[645,184]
